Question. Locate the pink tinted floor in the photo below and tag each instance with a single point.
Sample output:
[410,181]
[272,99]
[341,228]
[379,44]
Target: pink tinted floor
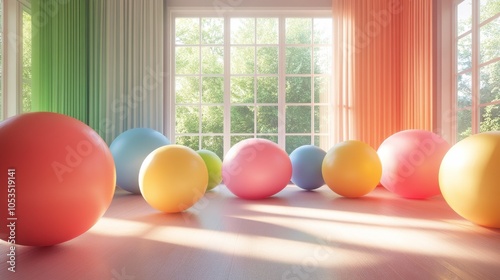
[293,235]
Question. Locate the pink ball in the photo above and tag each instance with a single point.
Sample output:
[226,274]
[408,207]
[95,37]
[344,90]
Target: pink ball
[256,168]
[410,163]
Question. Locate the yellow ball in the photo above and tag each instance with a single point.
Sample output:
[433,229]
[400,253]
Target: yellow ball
[469,178]
[173,178]
[352,168]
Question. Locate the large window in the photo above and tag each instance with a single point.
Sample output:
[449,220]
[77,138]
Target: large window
[243,77]
[478,66]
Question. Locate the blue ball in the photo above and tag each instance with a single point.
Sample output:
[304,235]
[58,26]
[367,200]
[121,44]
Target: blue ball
[306,167]
[129,150]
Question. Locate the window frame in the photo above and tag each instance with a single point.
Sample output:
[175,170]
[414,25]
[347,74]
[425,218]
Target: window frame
[237,13]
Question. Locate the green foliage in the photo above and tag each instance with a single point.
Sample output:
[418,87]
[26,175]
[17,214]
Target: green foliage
[26,62]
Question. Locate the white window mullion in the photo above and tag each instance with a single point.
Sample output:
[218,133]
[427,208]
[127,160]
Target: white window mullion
[227,85]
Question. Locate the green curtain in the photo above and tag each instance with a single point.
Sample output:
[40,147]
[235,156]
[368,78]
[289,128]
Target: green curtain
[60,54]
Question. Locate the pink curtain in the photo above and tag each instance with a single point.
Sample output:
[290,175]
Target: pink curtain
[383,68]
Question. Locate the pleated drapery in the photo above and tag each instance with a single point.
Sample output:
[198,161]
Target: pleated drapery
[383,68]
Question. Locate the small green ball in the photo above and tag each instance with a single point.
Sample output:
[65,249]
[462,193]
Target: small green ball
[214,166]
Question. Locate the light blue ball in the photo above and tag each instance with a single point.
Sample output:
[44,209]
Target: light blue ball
[129,150]
[306,167]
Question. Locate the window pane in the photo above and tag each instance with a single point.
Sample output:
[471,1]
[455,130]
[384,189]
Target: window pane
[267,31]
[188,141]
[321,89]
[26,62]
[187,89]
[298,119]
[267,119]
[187,60]
[489,8]
[490,118]
[273,138]
[212,60]
[238,138]
[187,31]
[293,142]
[187,119]
[322,30]
[267,60]
[464,90]
[322,60]
[322,142]
[242,119]
[464,53]
[464,124]
[212,119]
[242,90]
[212,90]
[298,60]
[490,83]
[242,31]
[320,119]
[464,16]
[242,60]
[212,31]
[298,90]
[214,144]
[490,40]
[298,30]
[267,90]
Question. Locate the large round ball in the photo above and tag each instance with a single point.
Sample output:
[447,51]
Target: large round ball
[58,178]
[469,178]
[256,168]
[306,167]
[352,168]
[173,178]
[129,150]
[410,163]
[214,167]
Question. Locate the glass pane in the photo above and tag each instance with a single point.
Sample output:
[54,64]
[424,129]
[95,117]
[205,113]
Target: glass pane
[188,141]
[464,53]
[238,138]
[267,90]
[298,60]
[212,60]
[187,60]
[242,119]
[267,119]
[490,40]
[322,29]
[267,60]
[242,31]
[187,31]
[298,90]
[267,31]
[464,16]
[321,89]
[323,60]
[464,90]
[320,119]
[464,124]
[273,138]
[489,8]
[212,31]
[298,30]
[187,119]
[298,119]
[490,83]
[293,142]
[242,60]
[26,62]
[214,144]
[490,118]
[242,90]
[212,90]
[322,142]
[187,90]
[212,119]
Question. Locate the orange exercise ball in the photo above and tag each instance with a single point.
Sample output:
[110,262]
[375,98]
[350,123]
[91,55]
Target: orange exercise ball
[352,168]
[173,178]
[469,178]
[58,178]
